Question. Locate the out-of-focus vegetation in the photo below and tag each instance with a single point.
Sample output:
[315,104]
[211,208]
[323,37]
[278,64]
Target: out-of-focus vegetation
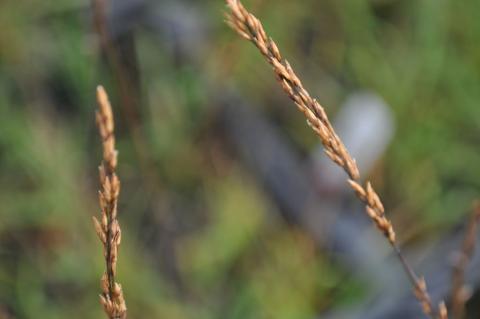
[201,238]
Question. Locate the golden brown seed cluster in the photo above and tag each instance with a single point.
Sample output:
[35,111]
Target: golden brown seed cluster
[108,228]
[250,28]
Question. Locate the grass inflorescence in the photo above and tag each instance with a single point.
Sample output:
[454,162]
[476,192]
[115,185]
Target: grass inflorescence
[108,228]
[250,28]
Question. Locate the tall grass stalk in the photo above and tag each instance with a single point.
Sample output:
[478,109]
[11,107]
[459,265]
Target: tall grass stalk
[108,228]
[250,28]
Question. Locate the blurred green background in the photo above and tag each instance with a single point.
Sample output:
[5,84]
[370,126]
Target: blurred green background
[201,238]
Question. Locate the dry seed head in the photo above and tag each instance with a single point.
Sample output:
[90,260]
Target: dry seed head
[250,28]
[108,228]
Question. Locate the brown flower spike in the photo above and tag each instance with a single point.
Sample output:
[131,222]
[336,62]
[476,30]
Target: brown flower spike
[250,28]
[108,228]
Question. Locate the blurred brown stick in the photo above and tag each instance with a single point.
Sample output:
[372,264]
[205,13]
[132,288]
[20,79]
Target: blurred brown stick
[127,80]
[129,103]
[460,293]
[120,55]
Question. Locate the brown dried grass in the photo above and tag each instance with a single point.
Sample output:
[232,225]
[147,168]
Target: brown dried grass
[108,228]
[250,28]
